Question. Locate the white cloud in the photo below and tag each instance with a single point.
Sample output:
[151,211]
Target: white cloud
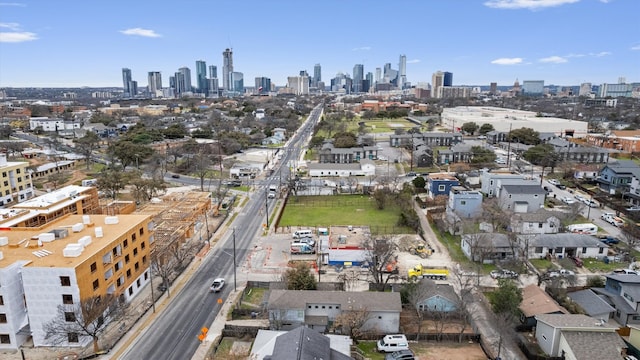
[13,4]
[413,61]
[17,37]
[507,61]
[526,4]
[637,47]
[605,1]
[554,60]
[362,48]
[140,32]
[10,26]
[600,54]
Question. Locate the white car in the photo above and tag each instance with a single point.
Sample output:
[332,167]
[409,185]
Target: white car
[217,285]
[568,200]
[553,182]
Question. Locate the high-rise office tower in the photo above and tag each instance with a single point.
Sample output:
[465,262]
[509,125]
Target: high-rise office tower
[448,79]
[227,69]
[585,89]
[299,84]
[201,77]
[402,71]
[493,88]
[186,75]
[369,79]
[213,71]
[155,84]
[126,83]
[437,81]
[378,75]
[237,82]
[263,85]
[317,74]
[358,76]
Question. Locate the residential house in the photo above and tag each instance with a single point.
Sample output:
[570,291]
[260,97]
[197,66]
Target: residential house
[455,154]
[522,198]
[577,336]
[440,184]
[318,310]
[633,196]
[363,168]
[536,301]
[330,154]
[440,298]
[279,133]
[488,247]
[633,340]
[616,177]
[464,203]
[271,140]
[622,292]
[563,245]
[538,222]
[494,137]
[592,304]
[424,158]
[300,343]
[491,182]
[586,171]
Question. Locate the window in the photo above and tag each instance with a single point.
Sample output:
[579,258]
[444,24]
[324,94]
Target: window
[67,299]
[128,273]
[627,296]
[130,290]
[141,231]
[5,339]
[463,202]
[69,316]
[72,337]
[144,259]
[538,250]
[96,284]
[3,318]
[1,300]
[126,259]
[337,307]
[94,267]
[133,237]
[584,250]
[601,250]
[142,245]
[442,187]
[540,225]
[137,266]
[138,282]
[125,243]
[65,281]
[118,265]
[146,275]
[135,251]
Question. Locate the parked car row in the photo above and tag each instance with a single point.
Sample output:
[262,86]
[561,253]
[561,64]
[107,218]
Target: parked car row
[503,274]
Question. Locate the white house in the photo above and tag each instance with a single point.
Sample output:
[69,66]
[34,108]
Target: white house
[539,222]
[48,124]
[289,309]
[363,168]
[563,245]
[577,336]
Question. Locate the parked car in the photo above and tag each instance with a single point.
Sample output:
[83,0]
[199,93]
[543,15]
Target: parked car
[633,208]
[553,182]
[217,285]
[568,200]
[576,261]
[400,355]
[412,173]
[175,176]
[561,272]
[624,272]
[308,240]
[503,274]
[610,240]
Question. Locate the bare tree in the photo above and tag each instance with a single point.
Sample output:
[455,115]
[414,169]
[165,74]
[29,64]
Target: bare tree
[575,210]
[349,278]
[492,213]
[88,318]
[380,254]
[350,322]
[630,233]
[480,246]
[463,282]
[416,294]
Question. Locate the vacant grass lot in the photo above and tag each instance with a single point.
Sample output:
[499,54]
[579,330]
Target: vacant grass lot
[356,210]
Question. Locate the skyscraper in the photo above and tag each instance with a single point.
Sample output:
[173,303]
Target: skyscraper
[213,71]
[201,77]
[155,84]
[227,69]
[183,81]
[369,79]
[237,83]
[317,74]
[358,76]
[263,85]
[126,83]
[378,75]
[448,79]
[437,81]
[402,71]
[299,84]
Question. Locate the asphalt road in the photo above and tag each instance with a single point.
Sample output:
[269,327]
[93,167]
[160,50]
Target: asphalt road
[174,333]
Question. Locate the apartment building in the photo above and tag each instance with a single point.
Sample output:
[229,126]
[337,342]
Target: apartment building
[66,261]
[15,185]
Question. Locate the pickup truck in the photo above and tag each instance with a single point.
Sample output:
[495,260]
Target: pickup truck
[561,272]
[612,219]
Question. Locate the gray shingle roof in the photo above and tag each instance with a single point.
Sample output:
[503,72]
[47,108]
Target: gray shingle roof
[304,343]
[539,216]
[595,344]
[432,289]
[573,321]
[590,302]
[524,189]
[371,301]
[623,278]
[334,166]
[566,240]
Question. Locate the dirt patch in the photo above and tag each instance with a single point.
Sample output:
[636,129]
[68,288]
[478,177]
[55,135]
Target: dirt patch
[439,351]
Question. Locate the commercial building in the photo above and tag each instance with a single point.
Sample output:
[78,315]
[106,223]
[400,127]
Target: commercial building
[16,185]
[298,84]
[201,77]
[74,259]
[533,87]
[155,84]
[227,69]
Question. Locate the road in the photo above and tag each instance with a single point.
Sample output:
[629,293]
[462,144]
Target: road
[173,335]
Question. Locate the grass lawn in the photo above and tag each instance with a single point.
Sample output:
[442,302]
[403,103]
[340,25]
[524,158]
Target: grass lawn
[252,299]
[224,349]
[368,349]
[452,242]
[357,210]
[595,265]
[542,264]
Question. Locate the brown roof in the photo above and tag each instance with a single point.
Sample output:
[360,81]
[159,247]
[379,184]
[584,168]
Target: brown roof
[620,133]
[536,301]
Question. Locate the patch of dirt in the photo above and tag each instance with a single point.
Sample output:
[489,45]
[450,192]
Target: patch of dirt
[456,351]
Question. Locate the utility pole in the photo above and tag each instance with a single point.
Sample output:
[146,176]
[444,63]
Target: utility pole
[266,206]
[509,148]
[234,260]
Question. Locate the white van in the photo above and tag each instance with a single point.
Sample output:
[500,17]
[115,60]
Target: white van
[589,229]
[301,248]
[302,233]
[391,343]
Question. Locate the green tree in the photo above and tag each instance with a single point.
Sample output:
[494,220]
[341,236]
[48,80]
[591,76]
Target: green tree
[112,181]
[526,136]
[129,153]
[419,182]
[300,277]
[505,301]
[485,128]
[345,140]
[86,145]
[470,127]
[543,155]
[481,155]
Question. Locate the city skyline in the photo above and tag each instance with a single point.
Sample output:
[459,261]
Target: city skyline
[562,42]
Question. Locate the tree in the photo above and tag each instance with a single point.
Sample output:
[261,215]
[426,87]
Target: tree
[300,277]
[481,155]
[129,152]
[112,181]
[630,233]
[492,213]
[350,322]
[86,145]
[470,127]
[345,140]
[88,318]
[416,293]
[419,183]
[380,255]
[485,128]
[526,136]
[543,155]
[505,303]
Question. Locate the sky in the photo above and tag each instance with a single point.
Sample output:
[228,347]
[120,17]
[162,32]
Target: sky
[74,43]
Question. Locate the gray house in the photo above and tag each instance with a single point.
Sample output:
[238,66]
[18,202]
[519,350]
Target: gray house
[616,177]
[538,222]
[464,203]
[593,304]
[623,293]
[488,247]
[300,343]
[333,155]
[289,309]
[455,154]
[427,138]
[437,297]
[563,245]
[491,182]
[522,198]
